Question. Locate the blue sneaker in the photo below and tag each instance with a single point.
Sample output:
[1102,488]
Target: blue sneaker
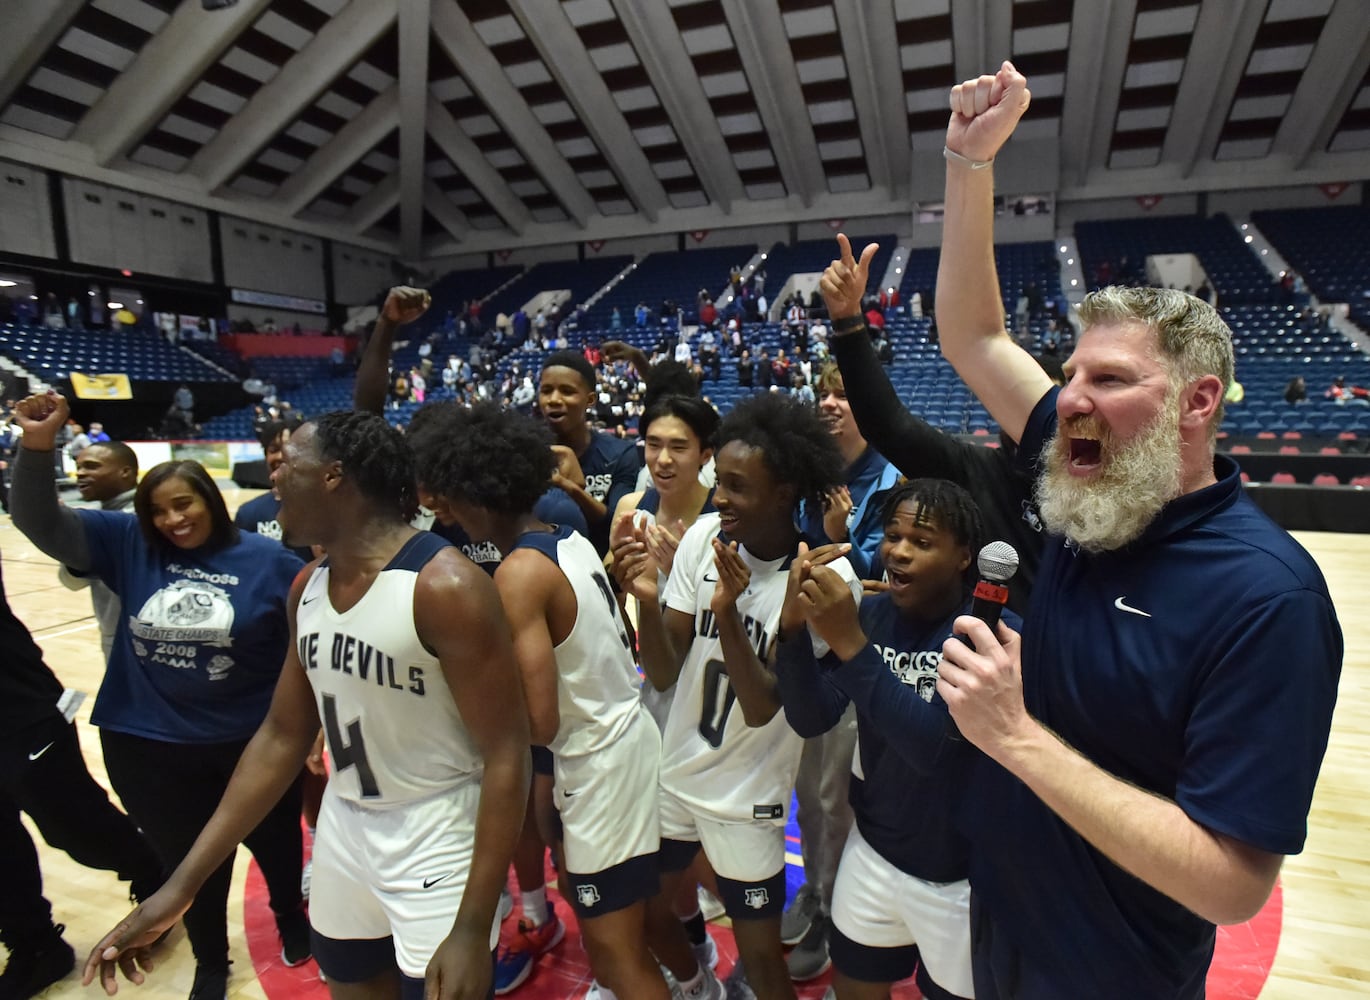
[514,964]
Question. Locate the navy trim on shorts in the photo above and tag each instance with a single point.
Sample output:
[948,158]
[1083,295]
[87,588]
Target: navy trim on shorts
[868,963]
[677,855]
[615,888]
[543,761]
[353,960]
[753,900]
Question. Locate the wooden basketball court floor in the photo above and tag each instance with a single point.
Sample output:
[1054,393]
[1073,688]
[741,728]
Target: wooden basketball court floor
[1324,947]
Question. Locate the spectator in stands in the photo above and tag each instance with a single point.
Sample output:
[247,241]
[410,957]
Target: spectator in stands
[418,385]
[682,349]
[817,309]
[97,432]
[52,313]
[1296,391]
[74,315]
[765,374]
[875,319]
[399,390]
[800,389]
[746,370]
[616,320]
[80,440]
[641,314]
[708,314]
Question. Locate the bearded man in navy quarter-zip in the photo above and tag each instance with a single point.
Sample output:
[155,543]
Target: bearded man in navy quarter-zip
[1154,742]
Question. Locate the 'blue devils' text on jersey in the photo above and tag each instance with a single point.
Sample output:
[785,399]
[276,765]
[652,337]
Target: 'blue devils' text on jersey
[394,734]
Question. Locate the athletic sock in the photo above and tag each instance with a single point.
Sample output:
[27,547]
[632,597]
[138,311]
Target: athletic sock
[535,906]
[694,928]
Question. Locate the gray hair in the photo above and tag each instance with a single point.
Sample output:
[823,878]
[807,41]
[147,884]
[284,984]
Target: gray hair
[1192,336]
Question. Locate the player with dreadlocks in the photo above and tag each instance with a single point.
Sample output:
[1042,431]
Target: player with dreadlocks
[902,899]
[403,642]
[729,758]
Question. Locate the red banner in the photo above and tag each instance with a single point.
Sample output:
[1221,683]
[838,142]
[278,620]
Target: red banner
[1334,189]
[1149,201]
[699,235]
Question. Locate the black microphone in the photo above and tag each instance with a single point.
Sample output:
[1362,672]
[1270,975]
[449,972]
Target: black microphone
[998,562]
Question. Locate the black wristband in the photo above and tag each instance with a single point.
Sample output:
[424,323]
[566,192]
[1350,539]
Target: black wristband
[849,324]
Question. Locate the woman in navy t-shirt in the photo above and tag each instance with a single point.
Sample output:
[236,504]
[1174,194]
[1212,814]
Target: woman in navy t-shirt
[200,642]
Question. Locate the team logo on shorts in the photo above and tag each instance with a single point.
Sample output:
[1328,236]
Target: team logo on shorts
[757,898]
[587,894]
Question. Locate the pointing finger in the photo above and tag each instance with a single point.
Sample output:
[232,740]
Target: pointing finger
[844,245]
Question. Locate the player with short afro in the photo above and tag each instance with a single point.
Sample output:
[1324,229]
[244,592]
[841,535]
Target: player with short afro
[726,774]
[490,466]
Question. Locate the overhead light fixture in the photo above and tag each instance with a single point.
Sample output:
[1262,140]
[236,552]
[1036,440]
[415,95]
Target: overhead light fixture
[6,283]
[114,305]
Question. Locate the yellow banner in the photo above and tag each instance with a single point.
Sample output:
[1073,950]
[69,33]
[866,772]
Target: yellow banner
[112,386]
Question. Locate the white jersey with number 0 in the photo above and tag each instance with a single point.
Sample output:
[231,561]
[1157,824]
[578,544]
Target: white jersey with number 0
[712,760]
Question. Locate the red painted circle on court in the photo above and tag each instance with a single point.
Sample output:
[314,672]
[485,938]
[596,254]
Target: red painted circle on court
[1241,962]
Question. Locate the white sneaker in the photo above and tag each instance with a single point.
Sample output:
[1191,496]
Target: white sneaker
[709,988]
[736,987]
[706,954]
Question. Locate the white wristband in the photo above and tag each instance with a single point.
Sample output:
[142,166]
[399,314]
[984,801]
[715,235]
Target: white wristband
[954,157]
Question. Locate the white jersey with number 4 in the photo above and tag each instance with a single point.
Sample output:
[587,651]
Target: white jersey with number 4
[393,731]
[712,760]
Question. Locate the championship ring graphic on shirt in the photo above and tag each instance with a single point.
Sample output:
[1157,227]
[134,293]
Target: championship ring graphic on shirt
[187,611]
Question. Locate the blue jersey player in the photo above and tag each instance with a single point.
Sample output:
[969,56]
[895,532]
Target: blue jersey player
[901,900]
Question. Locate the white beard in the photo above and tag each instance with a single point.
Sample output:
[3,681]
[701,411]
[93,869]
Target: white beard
[1137,479]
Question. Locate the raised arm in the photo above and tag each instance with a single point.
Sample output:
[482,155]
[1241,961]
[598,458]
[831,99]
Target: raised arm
[970,311]
[55,529]
[459,616]
[403,305]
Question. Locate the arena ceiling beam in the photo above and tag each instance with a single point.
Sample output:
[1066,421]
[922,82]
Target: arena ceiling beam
[442,208]
[413,85]
[373,206]
[871,47]
[1335,71]
[357,138]
[758,32]
[483,72]
[555,38]
[1100,34]
[467,158]
[338,44]
[31,26]
[1210,83]
[164,70]
[653,33]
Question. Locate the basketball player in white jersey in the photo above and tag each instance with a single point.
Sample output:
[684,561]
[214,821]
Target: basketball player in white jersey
[729,758]
[404,644]
[489,467]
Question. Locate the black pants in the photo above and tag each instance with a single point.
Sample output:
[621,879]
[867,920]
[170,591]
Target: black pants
[43,774]
[172,789]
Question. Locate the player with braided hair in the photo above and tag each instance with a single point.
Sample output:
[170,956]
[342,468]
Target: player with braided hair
[400,648]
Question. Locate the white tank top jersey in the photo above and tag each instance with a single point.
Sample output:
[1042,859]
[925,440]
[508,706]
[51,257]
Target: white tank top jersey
[393,731]
[597,681]
[712,760]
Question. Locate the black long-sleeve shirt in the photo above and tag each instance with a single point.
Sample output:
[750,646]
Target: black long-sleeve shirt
[917,449]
